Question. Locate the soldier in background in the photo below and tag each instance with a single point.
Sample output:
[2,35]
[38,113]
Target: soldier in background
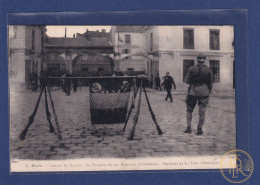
[158,82]
[34,81]
[200,79]
[43,80]
[167,84]
[63,82]
[75,82]
[67,83]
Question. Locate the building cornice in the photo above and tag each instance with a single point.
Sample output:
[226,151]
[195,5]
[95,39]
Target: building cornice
[194,53]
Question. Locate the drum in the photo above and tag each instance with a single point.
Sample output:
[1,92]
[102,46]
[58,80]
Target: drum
[109,97]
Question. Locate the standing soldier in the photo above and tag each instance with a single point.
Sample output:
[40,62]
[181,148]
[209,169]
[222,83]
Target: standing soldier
[67,83]
[167,83]
[75,82]
[158,82]
[34,81]
[200,79]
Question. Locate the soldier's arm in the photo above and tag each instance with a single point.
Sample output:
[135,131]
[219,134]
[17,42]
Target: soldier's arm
[162,84]
[173,83]
[210,80]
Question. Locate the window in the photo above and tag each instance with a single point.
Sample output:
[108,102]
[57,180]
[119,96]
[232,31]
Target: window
[214,40]
[127,39]
[188,39]
[214,66]
[84,67]
[186,65]
[100,69]
[33,40]
[126,51]
[151,41]
[130,69]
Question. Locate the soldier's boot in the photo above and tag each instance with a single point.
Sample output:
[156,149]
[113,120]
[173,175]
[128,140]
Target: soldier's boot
[189,118]
[188,130]
[201,122]
[199,131]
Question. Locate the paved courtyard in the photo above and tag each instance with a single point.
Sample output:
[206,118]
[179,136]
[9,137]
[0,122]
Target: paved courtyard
[81,139]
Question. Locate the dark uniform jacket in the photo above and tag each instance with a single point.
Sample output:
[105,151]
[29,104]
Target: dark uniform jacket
[157,80]
[168,82]
[200,78]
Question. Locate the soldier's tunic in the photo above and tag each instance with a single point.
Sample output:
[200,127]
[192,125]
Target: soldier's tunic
[200,78]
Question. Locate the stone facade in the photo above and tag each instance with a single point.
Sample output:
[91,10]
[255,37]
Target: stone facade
[25,53]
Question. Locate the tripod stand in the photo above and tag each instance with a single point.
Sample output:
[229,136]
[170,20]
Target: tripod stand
[131,133]
[46,90]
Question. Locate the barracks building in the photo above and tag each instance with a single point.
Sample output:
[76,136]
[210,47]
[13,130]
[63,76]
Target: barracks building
[133,50]
[160,49]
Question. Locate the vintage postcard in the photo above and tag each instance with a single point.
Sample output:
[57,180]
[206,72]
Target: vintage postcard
[109,98]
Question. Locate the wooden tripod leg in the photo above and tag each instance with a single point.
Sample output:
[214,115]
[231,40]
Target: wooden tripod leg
[152,114]
[31,118]
[48,114]
[55,115]
[131,133]
[130,111]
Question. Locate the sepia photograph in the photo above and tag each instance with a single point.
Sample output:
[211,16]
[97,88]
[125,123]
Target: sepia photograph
[128,97]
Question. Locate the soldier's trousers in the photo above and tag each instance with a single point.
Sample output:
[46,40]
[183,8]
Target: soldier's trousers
[191,102]
[169,94]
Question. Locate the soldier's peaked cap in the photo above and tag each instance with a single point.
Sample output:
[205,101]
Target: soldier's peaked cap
[201,56]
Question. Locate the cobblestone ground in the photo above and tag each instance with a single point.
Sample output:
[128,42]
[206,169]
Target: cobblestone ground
[81,139]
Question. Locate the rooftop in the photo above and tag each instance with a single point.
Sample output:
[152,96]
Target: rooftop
[77,42]
[138,29]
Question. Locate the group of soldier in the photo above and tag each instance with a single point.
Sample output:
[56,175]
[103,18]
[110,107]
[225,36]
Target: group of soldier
[65,81]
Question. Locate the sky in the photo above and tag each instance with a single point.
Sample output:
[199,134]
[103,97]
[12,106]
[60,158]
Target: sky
[59,31]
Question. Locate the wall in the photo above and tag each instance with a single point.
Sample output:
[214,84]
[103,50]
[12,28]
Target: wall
[172,54]
[137,65]
[136,47]
[16,58]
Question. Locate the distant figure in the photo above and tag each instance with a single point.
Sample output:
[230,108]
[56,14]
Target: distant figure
[151,82]
[167,83]
[158,82]
[200,79]
[115,73]
[63,82]
[43,80]
[34,81]
[67,83]
[75,83]
[163,78]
